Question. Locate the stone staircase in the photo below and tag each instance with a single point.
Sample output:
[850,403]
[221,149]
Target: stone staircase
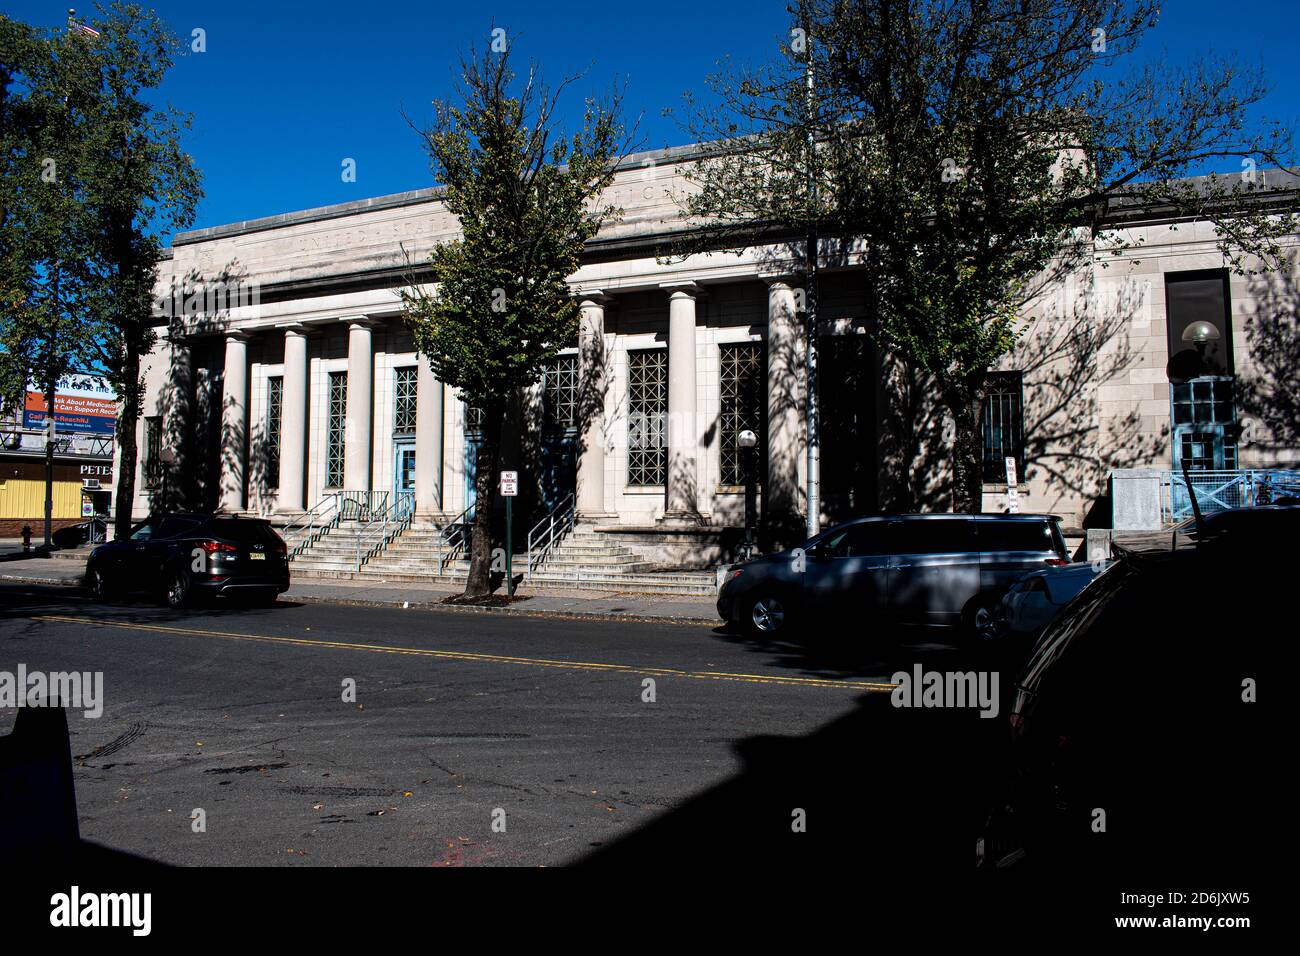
[584,560]
[334,554]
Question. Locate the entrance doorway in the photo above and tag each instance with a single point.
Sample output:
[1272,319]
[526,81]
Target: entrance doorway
[403,468]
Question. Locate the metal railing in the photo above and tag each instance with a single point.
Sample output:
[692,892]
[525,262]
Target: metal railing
[452,538]
[362,506]
[1220,490]
[304,531]
[549,532]
[376,534]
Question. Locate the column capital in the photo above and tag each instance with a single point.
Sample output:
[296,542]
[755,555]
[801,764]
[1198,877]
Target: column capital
[692,289]
[360,321]
[789,280]
[592,296]
[237,335]
[295,328]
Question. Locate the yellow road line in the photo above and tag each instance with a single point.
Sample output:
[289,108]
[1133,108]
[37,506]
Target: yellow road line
[474,657]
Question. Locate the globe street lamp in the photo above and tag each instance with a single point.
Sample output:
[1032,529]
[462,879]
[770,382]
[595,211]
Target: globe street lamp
[748,442]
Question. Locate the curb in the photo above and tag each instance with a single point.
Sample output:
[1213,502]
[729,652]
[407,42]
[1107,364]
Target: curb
[512,611]
[438,606]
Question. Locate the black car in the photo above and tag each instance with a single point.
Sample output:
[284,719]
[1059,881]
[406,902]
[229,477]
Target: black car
[184,557]
[1137,740]
[931,569]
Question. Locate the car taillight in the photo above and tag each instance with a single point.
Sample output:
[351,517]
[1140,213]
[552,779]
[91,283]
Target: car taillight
[280,548]
[1056,562]
[217,547]
[735,573]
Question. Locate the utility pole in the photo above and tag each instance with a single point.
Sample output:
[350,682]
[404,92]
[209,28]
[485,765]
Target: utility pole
[813,492]
[49,464]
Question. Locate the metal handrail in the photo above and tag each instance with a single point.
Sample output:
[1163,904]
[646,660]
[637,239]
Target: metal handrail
[452,537]
[557,524]
[311,525]
[394,519]
[362,505]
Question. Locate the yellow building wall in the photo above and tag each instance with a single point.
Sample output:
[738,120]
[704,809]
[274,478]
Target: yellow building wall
[25,498]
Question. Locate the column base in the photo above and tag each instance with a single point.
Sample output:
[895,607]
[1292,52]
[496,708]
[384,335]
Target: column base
[681,519]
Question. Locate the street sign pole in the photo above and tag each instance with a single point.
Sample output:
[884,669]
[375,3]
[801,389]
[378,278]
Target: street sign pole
[510,488]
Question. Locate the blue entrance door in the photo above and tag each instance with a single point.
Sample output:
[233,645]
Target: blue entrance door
[404,468]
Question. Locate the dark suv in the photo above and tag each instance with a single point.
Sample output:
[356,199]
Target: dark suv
[932,569]
[187,556]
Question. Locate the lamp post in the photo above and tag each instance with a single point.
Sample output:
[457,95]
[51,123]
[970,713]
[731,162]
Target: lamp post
[748,442]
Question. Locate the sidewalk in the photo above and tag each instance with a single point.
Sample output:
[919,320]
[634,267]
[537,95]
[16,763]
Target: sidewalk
[603,604]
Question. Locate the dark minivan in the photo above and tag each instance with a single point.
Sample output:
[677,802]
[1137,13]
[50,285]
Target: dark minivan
[931,569]
[187,556]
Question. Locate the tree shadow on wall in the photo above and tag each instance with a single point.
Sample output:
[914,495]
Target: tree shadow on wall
[1269,390]
[194,433]
[1068,351]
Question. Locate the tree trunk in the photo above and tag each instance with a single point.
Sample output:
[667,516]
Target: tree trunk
[967,453]
[124,496]
[479,582]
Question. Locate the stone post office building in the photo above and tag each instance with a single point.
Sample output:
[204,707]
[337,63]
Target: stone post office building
[289,380]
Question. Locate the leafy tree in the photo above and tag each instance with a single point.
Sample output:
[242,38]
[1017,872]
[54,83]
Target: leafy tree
[140,183]
[528,199]
[93,172]
[47,272]
[967,153]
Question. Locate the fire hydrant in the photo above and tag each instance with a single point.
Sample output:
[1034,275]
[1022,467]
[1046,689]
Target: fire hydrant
[27,537]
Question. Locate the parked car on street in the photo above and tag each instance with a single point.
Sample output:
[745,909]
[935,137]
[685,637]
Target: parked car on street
[185,557]
[1035,600]
[1137,740]
[932,569]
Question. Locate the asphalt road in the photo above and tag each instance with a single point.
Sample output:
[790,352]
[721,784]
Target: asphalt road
[464,718]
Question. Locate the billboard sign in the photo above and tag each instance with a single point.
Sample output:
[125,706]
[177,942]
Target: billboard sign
[83,405]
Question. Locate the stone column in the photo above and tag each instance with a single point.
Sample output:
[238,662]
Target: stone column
[293,422]
[356,434]
[785,403]
[591,406]
[234,422]
[683,436]
[428,442]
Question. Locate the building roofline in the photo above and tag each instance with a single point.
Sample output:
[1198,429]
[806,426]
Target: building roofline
[413,197]
[1123,211]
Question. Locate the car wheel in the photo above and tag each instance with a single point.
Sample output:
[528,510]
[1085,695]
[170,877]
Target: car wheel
[178,589]
[983,618]
[766,616]
[98,585]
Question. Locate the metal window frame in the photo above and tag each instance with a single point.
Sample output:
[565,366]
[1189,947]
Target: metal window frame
[274,422]
[741,405]
[560,394]
[336,411]
[405,399]
[152,470]
[1004,398]
[647,412]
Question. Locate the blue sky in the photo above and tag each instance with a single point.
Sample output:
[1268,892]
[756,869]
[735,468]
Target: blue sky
[286,91]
